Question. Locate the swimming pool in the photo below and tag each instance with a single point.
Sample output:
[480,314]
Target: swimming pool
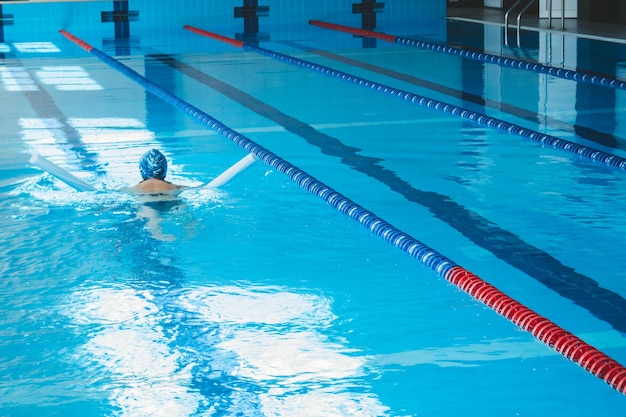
[269,301]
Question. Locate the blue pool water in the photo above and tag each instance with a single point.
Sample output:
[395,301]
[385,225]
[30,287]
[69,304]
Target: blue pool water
[260,299]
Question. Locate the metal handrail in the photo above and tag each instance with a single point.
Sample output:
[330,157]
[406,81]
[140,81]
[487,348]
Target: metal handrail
[506,21]
[562,14]
[519,19]
[506,15]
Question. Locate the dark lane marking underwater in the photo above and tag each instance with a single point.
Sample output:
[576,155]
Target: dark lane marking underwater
[564,280]
[46,108]
[592,135]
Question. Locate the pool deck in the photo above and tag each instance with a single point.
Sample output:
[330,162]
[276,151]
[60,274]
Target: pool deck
[574,27]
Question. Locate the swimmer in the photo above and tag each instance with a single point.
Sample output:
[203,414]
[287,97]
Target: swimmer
[153,168]
[157,195]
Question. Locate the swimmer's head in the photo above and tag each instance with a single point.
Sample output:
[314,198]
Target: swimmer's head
[153,165]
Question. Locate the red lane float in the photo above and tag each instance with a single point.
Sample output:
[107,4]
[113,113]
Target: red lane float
[564,342]
[77,41]
[354,31]
[230,41]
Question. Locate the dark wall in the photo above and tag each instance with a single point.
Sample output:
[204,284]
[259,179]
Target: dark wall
[466,3]
[608,11]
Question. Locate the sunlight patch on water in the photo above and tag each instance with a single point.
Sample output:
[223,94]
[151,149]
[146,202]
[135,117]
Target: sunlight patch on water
[268,305]
[267,342]
[291,358]
[142,368]
[279,340]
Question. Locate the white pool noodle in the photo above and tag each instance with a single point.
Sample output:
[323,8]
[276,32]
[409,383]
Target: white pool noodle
[227,175]
[60,173]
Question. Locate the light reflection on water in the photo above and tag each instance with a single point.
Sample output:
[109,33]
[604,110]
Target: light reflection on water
[267,342]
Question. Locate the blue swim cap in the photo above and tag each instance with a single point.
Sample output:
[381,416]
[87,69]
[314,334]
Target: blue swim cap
[153,165]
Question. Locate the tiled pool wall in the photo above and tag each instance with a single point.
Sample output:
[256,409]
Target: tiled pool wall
[260,19]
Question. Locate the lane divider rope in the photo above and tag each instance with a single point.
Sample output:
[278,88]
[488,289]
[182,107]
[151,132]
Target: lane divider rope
[474,117]
[578,76]
[568,345]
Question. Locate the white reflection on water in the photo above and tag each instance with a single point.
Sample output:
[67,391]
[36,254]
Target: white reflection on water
[290,358]
[143,374]
[269,344]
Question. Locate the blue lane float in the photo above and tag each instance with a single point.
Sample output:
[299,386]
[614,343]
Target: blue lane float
[578,76]
[474,117]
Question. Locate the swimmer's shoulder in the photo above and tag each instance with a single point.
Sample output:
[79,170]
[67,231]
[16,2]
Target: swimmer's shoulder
[154,186]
